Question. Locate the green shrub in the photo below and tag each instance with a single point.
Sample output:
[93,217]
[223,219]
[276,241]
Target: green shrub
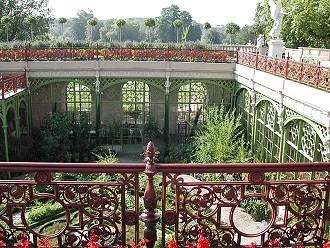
[39,213]
[220,139]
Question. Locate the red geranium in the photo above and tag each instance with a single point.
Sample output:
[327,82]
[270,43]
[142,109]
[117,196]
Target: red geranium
[44,243]
[253,245]
[327,244]
[172,244]
[202,241]
[23,241]
[92,243]
[2,243]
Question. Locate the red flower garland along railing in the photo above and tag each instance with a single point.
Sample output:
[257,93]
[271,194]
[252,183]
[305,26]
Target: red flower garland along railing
[114,54]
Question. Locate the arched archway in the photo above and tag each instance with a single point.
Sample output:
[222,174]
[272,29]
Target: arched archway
[302,141]
[135,109]
[192,99]
[267,135]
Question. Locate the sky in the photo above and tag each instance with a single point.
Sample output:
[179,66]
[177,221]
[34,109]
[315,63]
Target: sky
[216,12]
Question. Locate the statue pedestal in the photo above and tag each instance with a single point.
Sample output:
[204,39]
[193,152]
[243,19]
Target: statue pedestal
[275,48]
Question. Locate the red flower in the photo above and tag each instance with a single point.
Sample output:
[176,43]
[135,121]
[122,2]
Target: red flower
[92,243]
[23,242]
[326,245]
[2,243]
[44,243]
[273,243]
[172,244]
[253,245]
[203,241]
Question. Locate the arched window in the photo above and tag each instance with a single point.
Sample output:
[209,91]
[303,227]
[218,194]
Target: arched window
[191,100]
[135,106]
[79,100]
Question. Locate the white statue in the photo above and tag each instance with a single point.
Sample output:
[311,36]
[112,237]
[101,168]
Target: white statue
[260,43]
[278,13]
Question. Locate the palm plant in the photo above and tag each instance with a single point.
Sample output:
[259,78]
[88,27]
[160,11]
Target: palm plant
[149,22]
[92,23]
[231,29]
[61,21]
[120,23]
[177,24]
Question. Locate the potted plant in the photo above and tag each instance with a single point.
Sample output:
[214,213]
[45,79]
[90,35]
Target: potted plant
[150,130]
[111,131]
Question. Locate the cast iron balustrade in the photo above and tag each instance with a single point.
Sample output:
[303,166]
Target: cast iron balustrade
[313,75]
[11,84]
[296,196]
[310,74]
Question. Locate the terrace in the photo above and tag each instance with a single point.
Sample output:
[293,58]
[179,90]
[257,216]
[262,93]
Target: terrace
[166,199]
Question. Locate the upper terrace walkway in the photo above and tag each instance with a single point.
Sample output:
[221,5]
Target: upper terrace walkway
[298,210]
[309,74]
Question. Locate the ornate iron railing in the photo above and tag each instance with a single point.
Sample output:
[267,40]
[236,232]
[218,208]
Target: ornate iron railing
[309,74]
[11,83]
[176,195]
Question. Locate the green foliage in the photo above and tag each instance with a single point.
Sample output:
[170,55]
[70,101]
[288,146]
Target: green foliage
[151,130]
[308,25]
[231,29]
[44,211]
[262,19]
[220,139]
[28,17]
[106,157]
[255,206]
[81,132]
[112,130]
[51,140]
[207,25]
[182,153]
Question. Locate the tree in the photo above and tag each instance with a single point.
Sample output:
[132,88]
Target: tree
[120,23]
[92,23]
[213,36]
[5,20]
[308,25]
[61,21]
[245,35]
[165,29]
[31,21]
[262,19]
[231,29]
[177,24]
[18,28]
[149,22]
[79,24]
[207,26]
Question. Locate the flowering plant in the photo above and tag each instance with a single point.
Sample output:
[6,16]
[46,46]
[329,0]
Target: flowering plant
[202,242]
[44,243]
[326,243]
[23,242]
[133,244]
[2,242]
[92,243]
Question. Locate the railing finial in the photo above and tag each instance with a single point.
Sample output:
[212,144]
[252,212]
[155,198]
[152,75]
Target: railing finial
[149,217]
